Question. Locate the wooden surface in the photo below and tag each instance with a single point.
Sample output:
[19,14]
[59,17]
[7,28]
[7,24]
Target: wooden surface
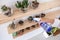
[20,27]
[53,15]
[27,31]
[18,14]
[50,15]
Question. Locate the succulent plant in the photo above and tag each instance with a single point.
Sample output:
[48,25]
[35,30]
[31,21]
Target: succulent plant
[18,4]
[30,18]
[14,34]
[22,5]
[4,8]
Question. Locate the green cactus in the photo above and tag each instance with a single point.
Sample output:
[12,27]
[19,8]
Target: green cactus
[23,4]
[18,4]
[4,8]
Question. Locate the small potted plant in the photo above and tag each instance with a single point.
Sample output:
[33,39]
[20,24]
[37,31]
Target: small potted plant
[35,4]
[30,18]
[22,5]
[6,10]
[13,25]
[21,22]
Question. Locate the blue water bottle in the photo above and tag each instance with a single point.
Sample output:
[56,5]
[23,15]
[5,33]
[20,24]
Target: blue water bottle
[46,26]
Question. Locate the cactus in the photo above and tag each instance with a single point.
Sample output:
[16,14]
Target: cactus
[23,4]
[4,8]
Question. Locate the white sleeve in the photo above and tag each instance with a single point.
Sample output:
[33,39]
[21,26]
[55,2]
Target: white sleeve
[56,23]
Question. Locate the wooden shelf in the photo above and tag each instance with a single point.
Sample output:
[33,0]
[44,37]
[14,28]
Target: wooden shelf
[18,14]
[27,31]
[20,27]
[51,15]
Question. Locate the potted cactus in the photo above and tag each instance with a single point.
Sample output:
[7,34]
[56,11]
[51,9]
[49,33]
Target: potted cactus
[30,18]
[35,4]
[22,5]
[21,22]
[13,25]
[7,10]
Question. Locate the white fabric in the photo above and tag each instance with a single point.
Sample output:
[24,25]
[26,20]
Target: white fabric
[56,23]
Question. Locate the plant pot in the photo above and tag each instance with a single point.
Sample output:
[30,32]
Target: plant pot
[30,18]
[8,13]
[42,15]
[14,34]
[35,4]
[28,28]
[13,26]
[24,10]
[21,22]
